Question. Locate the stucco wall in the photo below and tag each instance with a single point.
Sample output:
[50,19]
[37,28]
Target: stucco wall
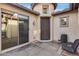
[71,31]
[32,18]
[39,9]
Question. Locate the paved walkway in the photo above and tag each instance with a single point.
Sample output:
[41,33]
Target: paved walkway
[37,49]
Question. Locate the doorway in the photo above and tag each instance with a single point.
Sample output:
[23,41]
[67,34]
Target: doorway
[45,28]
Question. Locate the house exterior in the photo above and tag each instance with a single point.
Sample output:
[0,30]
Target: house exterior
[20,26]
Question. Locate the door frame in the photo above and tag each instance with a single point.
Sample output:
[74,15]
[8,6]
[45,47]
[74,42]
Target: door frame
[50,18]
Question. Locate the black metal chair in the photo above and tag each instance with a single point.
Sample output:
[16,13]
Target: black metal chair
[71,47]
[64,38]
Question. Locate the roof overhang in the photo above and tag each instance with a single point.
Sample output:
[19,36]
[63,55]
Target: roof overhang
[24,8]
[73,6]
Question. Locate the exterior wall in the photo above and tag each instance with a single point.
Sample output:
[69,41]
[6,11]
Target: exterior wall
[32,18]
[71,31]
[39,9]
[78,24]
[37,29]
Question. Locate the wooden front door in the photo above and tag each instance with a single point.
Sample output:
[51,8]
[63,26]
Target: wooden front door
[45,28]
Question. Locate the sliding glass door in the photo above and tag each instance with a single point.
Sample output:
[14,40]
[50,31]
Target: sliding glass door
[14,30]
[23,29]
[9,31]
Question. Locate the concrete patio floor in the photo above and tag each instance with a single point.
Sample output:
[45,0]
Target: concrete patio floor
[38,49]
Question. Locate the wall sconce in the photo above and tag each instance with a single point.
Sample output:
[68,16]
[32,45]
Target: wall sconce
[34,23]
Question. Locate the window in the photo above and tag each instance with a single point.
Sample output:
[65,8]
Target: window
[45,9]
[64,21]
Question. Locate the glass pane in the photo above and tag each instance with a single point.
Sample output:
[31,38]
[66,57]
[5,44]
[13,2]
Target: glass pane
[45,10]
[64,21]
[23,30]
[9,32]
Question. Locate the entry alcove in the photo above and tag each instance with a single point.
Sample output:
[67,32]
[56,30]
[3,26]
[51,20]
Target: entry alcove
[14,29]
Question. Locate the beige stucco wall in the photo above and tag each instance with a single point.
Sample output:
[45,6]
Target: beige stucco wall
[71,31]
[39,9]
[37,29]
[32,18]
[78,24]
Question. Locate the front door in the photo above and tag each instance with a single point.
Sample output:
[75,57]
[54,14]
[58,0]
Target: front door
[45,28]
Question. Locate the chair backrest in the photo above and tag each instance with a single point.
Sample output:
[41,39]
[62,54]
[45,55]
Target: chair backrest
[64,38]
[75,44]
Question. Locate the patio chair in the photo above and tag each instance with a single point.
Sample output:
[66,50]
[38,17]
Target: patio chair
[64,38]
[71,47]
